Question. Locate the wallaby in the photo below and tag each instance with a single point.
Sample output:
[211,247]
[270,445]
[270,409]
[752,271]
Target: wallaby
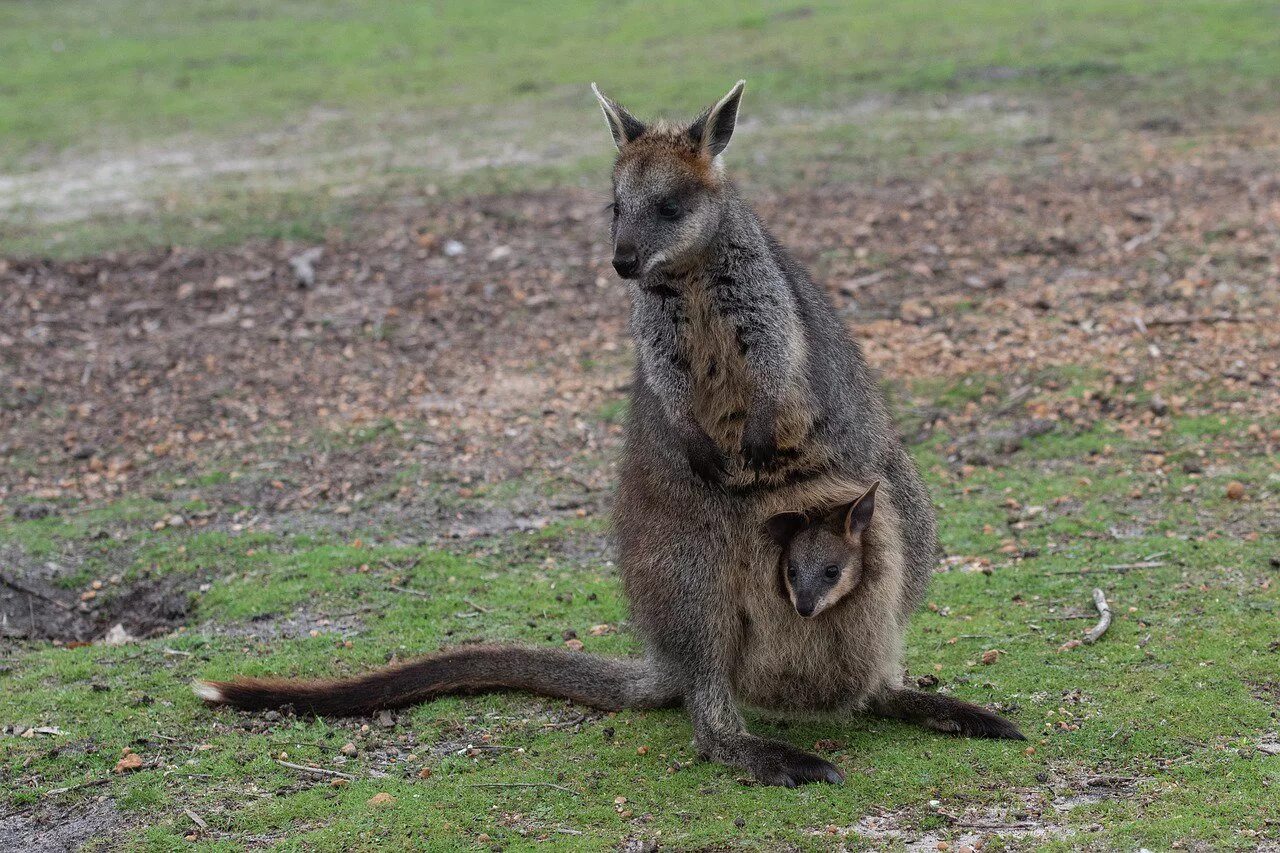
[749,400]
[821,560]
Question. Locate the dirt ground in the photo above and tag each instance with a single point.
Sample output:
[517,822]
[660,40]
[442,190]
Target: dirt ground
[482,330]
[480,341]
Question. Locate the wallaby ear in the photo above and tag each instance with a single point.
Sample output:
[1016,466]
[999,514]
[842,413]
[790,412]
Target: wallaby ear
[714,128]
[623,125]
[860,511]
[784,526]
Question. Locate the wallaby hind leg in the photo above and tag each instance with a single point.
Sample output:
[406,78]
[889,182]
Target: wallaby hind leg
[944,714]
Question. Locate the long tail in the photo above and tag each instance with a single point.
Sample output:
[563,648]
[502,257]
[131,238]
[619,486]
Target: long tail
[601,682]
[944,714]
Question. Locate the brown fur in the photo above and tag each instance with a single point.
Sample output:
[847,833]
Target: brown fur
[768,376]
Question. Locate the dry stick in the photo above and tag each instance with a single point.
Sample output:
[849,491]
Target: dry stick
[196,819]
[319,771]
[53,792]
[1146,564]
[416,592]
[13,584]
[1104,620]
[524,785]
[1204,318]
[1114,567]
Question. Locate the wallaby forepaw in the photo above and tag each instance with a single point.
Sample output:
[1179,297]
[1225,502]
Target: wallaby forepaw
[706,461]
[759,455]
[759,443]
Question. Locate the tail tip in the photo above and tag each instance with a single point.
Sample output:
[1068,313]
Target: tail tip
[208,692]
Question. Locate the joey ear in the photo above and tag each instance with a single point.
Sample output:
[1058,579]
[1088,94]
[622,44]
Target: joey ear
[623,125]
[784,526]
[714,128]
[860,511]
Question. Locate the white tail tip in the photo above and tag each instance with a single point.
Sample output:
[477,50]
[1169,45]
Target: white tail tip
[206,691]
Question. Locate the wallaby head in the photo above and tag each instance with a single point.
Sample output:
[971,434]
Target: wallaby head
[822,556]
[669,188]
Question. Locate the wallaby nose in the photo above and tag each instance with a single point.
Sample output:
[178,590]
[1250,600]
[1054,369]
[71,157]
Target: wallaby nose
[805,608]
[626,261]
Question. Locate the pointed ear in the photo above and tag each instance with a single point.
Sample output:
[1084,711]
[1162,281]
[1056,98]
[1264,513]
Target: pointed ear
[714,128]
[623,125]
[860,511]
[784,526]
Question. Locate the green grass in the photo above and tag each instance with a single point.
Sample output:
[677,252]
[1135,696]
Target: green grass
[77,72]
[307,87]
[1175,695]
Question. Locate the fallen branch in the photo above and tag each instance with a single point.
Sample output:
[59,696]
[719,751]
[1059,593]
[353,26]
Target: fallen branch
[13,584]
[1202,318]
[318,771]
[1122,567]
[92,783]
[1104,618]
[1142,239]
[416,592]
[524,785]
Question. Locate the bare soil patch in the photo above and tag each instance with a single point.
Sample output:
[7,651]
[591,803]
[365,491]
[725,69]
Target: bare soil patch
[35,609]
[467,344]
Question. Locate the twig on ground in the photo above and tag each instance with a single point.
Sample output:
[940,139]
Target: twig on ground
[1201,318]
[13,584]
[406,567]
[478,608]
[1114,567]
[524,785]
[1142,239]
[318,771]
[92,783]
[416,592]
[1104,620]
[196,819]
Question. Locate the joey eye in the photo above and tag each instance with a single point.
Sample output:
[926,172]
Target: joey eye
[831,573]
[668,209]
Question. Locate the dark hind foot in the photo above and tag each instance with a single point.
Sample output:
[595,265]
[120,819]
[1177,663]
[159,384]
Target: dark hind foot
[944,714]
[772,762]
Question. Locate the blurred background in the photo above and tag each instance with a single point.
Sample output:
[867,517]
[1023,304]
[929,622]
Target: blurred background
[312,357]
[223,119]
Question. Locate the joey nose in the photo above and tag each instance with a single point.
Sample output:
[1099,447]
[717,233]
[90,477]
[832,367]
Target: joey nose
[805,608]
[626,261]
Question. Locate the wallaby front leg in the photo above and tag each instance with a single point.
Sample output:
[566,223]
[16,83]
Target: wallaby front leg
[762,312]
[720,734]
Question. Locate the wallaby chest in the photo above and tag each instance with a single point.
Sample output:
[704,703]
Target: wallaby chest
[718,371]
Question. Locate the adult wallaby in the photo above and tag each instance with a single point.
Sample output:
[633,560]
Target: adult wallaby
[749,400]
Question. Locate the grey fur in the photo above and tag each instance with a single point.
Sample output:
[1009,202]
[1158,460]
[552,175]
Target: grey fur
[749,400]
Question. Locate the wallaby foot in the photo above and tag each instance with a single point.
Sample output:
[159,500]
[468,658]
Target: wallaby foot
[773,762]
[944,714]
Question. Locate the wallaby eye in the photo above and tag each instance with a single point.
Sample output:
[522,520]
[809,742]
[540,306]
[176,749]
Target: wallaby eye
[613,208]
[791,571]
[831,572]
[668,209]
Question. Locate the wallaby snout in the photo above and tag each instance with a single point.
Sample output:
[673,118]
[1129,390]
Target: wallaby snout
[626,260]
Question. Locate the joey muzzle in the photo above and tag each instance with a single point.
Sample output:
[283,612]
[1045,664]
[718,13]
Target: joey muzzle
[806,605]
